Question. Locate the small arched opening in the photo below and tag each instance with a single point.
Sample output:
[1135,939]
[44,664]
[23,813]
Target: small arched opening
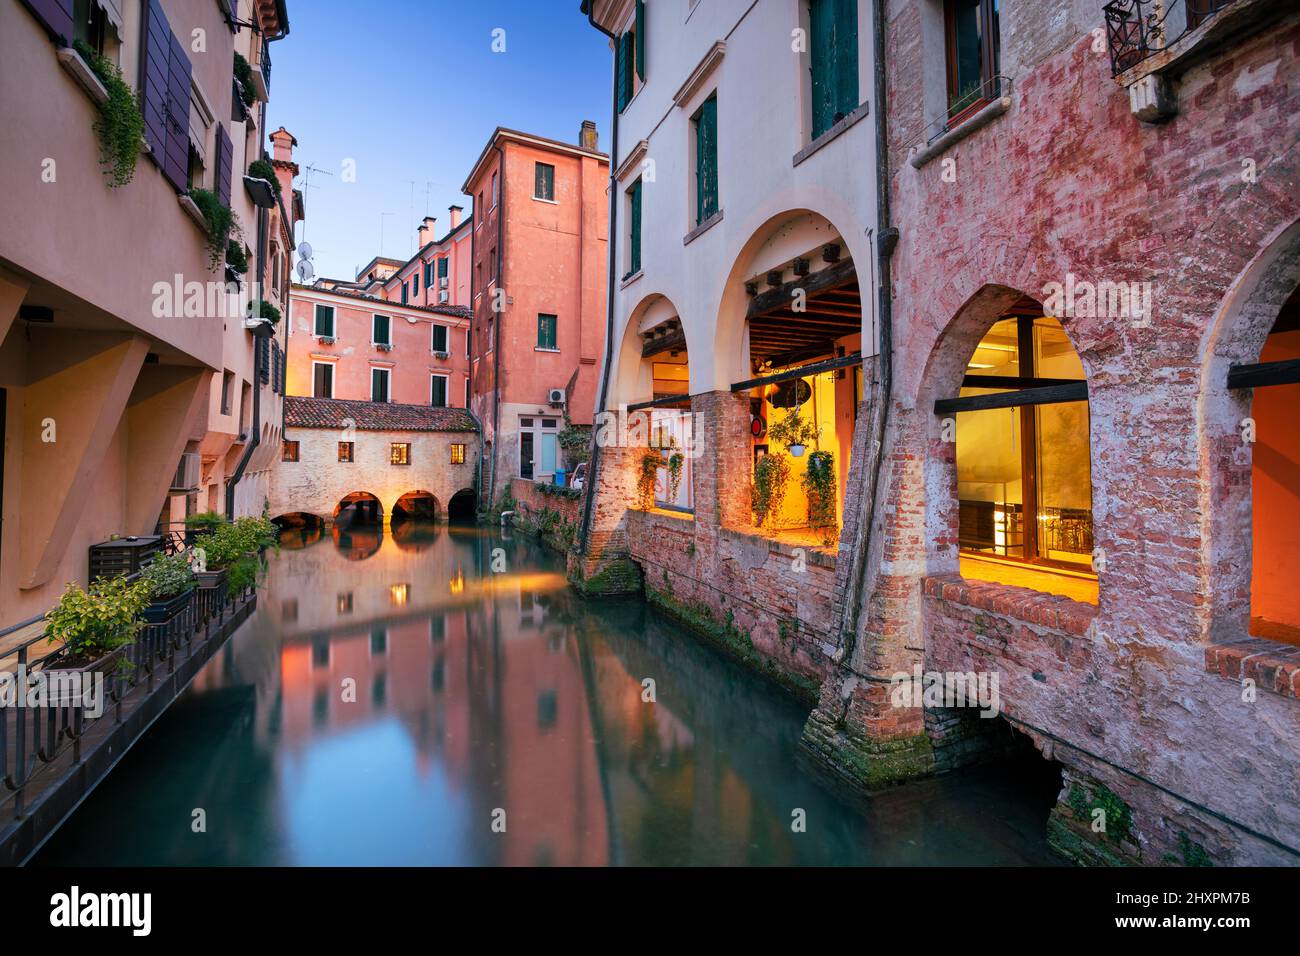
[462,508]
[298,529]
[415,506]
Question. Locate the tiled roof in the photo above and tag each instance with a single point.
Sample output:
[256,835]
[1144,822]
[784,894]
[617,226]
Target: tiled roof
[455,311]
[301,412]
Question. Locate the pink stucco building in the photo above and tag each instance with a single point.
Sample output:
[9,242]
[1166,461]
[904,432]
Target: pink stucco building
[538,288]
[107,363]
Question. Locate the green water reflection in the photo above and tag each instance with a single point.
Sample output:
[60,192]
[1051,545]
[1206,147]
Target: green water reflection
[392,693]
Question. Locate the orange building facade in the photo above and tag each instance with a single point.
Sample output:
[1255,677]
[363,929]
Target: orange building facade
[539,268]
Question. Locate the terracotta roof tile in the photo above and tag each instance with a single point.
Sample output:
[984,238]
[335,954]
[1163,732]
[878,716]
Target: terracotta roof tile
[456,311]
[300,412]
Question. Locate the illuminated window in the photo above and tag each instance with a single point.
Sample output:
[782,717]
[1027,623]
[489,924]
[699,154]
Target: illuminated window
[290,451]
[1024,479]
[346,450]
[457,454]
[399,453]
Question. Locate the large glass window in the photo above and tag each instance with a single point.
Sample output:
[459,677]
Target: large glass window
[1024,479]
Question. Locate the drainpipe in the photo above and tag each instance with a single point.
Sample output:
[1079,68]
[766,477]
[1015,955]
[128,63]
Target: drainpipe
[593,468]
[496,347]
[255,439]
[886,241]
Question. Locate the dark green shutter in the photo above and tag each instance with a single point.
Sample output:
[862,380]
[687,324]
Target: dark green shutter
[623,70]
[846,58]
[706,161]
[538,185]
[635,257]
[442,268]
[834,55]
[640,39]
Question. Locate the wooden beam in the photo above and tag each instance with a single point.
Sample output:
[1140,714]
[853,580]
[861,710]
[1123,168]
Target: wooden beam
[1048,395]
[828,278]
[1012,381]
[655,403]
[802,372]
[673,341]
[1285,372]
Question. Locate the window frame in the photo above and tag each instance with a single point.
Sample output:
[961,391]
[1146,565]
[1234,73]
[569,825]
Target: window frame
[316,322]
[702,213]
[290,450]
[990,59]
[387,373]
[446,389]
[457,453]
[555,332]
[328,365]
[374,323]
[402,459]
[542,190]
[347,452]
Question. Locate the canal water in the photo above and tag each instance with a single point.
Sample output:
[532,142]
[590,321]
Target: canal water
[437,695]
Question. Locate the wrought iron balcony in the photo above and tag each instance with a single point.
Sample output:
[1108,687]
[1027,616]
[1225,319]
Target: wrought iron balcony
[1138,29]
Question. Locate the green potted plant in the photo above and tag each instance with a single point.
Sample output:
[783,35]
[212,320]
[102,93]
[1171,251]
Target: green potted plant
[795,433]
[214,553]
[244,77]
[771,473]
[222,224]
[120,126]
[236,257]
[651,461]
[819,487]
[262,169]
[169,580]
[94,623]
[675,462]
[204,521]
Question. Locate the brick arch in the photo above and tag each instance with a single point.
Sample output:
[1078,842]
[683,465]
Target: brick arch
[1236,336]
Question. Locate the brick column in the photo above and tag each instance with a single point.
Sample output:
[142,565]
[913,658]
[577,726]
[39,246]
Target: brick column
[604,567]
[724,469]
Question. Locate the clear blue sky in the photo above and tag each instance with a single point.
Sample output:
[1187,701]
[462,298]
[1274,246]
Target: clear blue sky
[412,96]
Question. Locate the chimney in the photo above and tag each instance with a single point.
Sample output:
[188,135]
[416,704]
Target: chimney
[455,215]
[426,231]
[282,142]
[587,137]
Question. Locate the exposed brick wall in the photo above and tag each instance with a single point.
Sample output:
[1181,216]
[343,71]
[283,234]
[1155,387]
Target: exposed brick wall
[1068,181]
[547,511]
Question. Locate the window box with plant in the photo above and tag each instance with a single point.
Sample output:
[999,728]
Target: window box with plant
[170,581]
[120,126]
[202,523]
[244,83]
[93,624]
[220,224]
[262,169]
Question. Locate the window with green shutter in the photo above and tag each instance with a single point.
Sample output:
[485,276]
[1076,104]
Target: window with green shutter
[546,331]
[834,55]
[634,250]
[640,40]
[623,68]
[442,268]
[706,160]
[544,181]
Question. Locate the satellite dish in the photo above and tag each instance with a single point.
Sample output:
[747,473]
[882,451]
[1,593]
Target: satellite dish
[304,249]
[305,271]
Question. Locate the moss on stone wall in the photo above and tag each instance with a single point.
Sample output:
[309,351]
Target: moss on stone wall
[861,762]
[617,576]
[730,639]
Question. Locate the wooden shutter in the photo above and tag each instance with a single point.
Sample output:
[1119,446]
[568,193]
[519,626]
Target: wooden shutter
[225,156]
[55,16]
[846,58]
[623,69]
[821,20]
[706,161]
[636,227]
[640,39]
[442,268]
[165,99]
[264,360]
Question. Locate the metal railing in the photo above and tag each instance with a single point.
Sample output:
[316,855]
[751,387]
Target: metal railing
[1138,29]
[43,730]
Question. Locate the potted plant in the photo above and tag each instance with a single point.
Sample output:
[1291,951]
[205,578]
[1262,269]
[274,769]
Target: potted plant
[120,126]
[204,521]
[214,553]
[220,223]
[169,580]
[651,461]
[771,473]
[244,77]
[795,433]
[675,462]
[819,487]
[262,169]
[94,623]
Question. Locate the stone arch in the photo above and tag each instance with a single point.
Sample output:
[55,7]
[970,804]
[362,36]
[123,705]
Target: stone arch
[774,242]
[359,505]
[419,504]
[1236,336]
[632,381]
[462,507]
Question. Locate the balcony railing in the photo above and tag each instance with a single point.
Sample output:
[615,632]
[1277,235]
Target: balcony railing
[266,64]
[1138,29]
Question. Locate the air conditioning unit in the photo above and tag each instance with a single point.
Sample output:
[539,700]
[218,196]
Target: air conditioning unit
[187,472]
[442,282]
[556,397]
[443,297]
